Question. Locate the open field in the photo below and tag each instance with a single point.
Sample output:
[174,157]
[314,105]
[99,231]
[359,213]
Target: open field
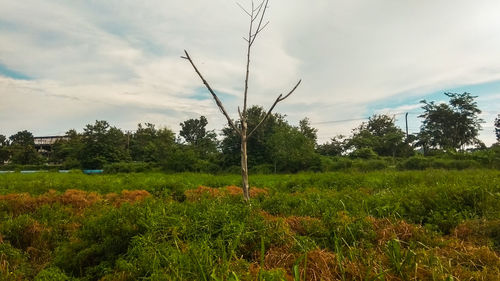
[383,225]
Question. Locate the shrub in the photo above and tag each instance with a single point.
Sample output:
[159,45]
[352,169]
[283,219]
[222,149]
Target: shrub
[105,234]
[13,263]
[370,165]
[263,169]
[21,231]
[52,274]
[329,164]
[364,153]
[127,167]
[415,163]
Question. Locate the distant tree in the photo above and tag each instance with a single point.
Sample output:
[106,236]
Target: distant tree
[22,149]
[194,130]
[4,141]
[68,151]
[163,145]
[103,144]
[450,126]
[291,150]
[142,143]
[181,158]
[379,134]
[308,131]
[196,135]
[497,127]
[257,145]
[22,138]
[149,144]
[4,149]
[287,148]
[335,147]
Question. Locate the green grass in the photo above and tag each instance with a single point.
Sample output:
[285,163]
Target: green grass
[383,225]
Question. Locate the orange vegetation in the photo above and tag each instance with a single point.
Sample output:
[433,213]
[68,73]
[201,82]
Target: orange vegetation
[386,230]
[210,192]
[320,264]
[19,203]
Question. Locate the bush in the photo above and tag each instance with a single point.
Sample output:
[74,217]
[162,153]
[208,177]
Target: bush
[104,235]
[329,164]
[13,263]
[205,166]
[15,167]
[21,231]
[422,163]
[415,163]
[127,167]
[52,274]
[71,163]
[370,165]
[364,153]
[264,169]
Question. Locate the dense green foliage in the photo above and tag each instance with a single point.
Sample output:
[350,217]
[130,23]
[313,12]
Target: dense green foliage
[22,148]
[386,225]
[381,135]
[276,147]
[450,126]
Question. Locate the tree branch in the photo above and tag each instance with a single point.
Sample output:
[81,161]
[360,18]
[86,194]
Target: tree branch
[263,7]
[244,10]
[257,10]
[217,101]
[279,99]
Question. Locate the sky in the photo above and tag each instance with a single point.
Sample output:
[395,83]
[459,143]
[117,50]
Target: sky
[65,64]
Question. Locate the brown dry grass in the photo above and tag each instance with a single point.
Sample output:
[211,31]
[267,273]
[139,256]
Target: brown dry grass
[480,233]
[304,225]
[7,270]
[78,200]
[197,194]
[387,229]
[127,196]
[320,264]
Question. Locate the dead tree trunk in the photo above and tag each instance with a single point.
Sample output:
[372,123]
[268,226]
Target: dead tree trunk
[256,15]
[244,161]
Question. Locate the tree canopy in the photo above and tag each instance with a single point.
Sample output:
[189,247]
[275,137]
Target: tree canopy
[103,144]
[381,135]
[451,125]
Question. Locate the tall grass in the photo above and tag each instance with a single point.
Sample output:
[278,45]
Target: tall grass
[385,225]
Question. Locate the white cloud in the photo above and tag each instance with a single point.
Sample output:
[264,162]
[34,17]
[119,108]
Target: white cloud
[89,58]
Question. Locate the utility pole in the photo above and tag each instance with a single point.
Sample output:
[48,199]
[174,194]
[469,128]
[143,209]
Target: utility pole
[406,120]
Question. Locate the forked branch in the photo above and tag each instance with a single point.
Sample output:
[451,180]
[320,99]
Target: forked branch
[279,99]
[262,8]
[216,98]
[257,13]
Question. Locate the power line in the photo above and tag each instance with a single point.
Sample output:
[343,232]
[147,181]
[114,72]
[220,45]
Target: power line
[362,118]
[339,121]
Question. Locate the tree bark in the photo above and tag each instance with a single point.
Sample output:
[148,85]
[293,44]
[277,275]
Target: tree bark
[244,161]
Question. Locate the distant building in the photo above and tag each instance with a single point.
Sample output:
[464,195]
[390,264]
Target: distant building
[44,144]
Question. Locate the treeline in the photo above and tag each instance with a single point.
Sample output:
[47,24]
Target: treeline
[447,130]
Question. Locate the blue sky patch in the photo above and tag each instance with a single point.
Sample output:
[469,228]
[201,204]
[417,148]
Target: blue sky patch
[202,93]
[482,90]
[7,72]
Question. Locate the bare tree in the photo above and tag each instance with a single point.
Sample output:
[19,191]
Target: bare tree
[256,15]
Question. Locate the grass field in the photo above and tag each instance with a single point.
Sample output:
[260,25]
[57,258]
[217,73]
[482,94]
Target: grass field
[383,225]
